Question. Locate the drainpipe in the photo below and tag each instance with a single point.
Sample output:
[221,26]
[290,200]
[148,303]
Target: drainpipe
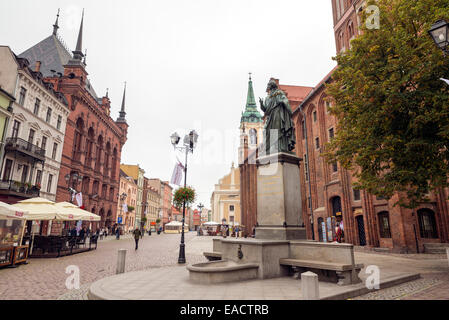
[308,171]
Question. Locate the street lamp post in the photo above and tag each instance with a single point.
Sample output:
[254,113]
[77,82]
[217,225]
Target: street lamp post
[440,35]
[74,178]
[190,141]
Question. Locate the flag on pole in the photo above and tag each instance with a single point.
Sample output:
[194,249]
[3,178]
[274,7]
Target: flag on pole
[125,208]
[177,174]
[445,80]
[79,199]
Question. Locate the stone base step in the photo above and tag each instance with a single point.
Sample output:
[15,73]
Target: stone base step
[436,248]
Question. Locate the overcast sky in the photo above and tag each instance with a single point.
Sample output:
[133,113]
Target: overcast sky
[186,63]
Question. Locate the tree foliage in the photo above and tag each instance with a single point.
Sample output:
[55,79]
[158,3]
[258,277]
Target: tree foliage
[391,107]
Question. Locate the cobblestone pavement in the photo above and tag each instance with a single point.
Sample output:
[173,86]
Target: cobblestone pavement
[45,278]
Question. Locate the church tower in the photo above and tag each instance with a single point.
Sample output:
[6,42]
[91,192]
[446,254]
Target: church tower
[251,124]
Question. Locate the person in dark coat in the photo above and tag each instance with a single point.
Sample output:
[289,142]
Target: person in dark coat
[82,233]
[73,232]
[117,233]
[137,234]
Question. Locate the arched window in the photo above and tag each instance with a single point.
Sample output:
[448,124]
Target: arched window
[99,152]
[90,146]
[336,205]
[114,163]
[384,224]
[253,136]
[78,138]
[107,159]
[427,224]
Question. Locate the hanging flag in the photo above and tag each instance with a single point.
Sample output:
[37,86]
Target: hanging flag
[445,80]
[125,208]
[177,174]
[79,199]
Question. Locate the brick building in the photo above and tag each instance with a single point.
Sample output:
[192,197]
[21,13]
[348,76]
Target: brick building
[93,140]
[166,195]
[326,189]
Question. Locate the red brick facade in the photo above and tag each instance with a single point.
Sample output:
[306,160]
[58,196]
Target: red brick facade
[93,140]
[367,220]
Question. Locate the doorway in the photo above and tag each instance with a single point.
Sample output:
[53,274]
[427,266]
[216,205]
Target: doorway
[361,228]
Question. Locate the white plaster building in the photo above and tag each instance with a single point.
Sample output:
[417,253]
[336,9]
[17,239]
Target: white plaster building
[35,134]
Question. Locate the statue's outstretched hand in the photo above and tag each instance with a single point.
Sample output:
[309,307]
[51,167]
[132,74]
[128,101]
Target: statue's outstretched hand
[261,102]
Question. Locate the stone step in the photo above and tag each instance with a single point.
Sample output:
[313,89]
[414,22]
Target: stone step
[436,245]
[436,248]
[382,249]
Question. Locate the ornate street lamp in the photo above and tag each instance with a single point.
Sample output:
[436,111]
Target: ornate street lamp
[440,35]
[75,178]
[189,142]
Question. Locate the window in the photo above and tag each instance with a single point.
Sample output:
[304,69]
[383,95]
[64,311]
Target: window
[44,143]
[48,119]
[31,136]
[384,225]
[58,125]
[356,194]
[36,106]
[314,116]
[15,129]
[7,170]
[22,95]
[303,129]
[427,224]
[50,178]
[38,176]
[380,198]
[334,167]
[328,106]
[231,207]
[317,142]
[331,134]
[55,148]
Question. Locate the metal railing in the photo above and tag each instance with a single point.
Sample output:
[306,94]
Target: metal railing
[19,187]
[23,145]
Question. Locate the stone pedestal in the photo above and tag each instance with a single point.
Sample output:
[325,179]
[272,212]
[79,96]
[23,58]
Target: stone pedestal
[279,212]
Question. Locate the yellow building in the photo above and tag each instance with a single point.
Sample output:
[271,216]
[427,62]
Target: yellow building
[135,172]
[225,200]
[152,211]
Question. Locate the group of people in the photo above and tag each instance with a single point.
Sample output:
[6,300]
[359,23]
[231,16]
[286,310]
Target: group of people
[233,231]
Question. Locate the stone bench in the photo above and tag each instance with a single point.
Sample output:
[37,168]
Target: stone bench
[332,262]
[212,256]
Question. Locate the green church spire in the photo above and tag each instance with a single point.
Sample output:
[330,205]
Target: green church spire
[251,113]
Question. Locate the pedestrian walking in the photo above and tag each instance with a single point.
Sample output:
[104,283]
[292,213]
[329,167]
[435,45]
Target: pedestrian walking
[237,232]
[117,233]
[137,235]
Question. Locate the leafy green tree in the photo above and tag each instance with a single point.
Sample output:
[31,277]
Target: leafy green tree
[391,107]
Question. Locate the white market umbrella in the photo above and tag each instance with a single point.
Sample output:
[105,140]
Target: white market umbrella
[73,212]
[8,211]
[211,223]
[38,209]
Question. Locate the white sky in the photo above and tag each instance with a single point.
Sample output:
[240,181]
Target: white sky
[186,63]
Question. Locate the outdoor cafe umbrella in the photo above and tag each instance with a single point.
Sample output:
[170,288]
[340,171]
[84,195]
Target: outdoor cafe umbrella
[8,211]
[38,209]
[69,210]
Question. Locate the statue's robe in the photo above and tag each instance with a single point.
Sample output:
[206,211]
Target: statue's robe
[278,117]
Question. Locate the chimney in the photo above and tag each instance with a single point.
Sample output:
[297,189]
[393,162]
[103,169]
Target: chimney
[38,66]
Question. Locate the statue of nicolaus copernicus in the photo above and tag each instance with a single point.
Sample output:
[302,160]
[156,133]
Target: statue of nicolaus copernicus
[278,117]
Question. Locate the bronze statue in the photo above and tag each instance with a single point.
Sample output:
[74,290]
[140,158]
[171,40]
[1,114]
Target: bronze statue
[279,131]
